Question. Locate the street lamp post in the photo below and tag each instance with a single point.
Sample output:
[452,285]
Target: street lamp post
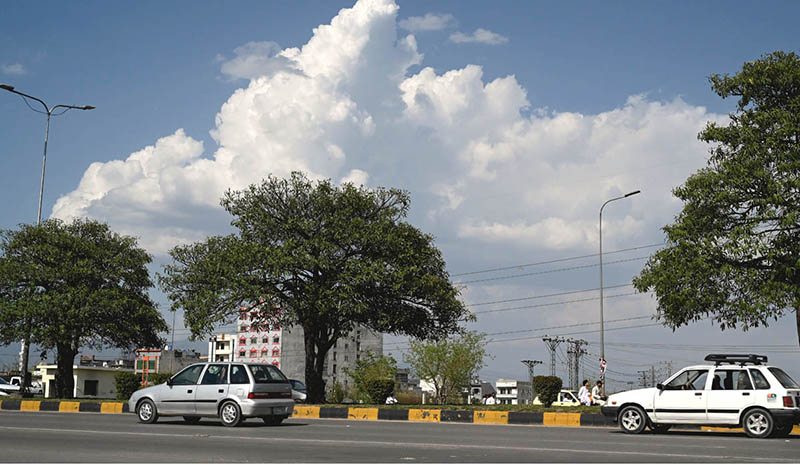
[602,326]
[49,111]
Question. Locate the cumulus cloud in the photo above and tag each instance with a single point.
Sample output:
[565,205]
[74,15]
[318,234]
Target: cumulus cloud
[14,69]
[429,22]
[255,59]
[480,36]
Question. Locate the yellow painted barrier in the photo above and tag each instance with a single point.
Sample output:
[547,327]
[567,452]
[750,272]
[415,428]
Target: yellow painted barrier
[561,419]
[362,413]
[111,407]
[795,430]
[305,412]
[69,406]
[493,417]
[1,405]
[416,414]
[29,405]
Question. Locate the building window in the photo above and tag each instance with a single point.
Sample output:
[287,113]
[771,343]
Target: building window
[346,358]
[358,346]
[243,316]
[253,353]
[90,387]
[276,352]
[334,368]
[345,345]
[242,340]
[253,340]
[264,352]
[242,353]
[265,340]
[334,356]
[276,339]
[276,363]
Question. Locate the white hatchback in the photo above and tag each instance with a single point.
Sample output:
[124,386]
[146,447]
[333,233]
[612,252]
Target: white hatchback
[737,390]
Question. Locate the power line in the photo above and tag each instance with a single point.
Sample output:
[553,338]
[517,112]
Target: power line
[557,260]
[556,270]
[550,304]
[547,295]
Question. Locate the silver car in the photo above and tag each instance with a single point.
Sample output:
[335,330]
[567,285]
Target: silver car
[230,391]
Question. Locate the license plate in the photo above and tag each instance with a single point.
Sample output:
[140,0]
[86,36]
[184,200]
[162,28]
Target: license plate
[278,410]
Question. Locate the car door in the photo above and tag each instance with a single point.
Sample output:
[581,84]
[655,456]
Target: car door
[731,391]
[213,388]
[177,397]
[683,399]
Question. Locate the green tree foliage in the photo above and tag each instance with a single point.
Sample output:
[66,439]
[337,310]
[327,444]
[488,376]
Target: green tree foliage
[547,388]
[448,363]
[373,377]
[321,256]
[75,285]
[126,383]
[733,252]
[158,378]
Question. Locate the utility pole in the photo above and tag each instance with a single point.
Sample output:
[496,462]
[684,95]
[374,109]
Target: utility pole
[552,345]
[530,364]
[642,378]
[574,354]
[652,375]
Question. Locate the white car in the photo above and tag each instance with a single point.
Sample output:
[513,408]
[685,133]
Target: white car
[7,388]
[566,398]
[737,390]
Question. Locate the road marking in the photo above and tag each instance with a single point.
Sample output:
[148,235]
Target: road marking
[392,444]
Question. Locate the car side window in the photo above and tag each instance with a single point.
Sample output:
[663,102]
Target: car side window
[187,376]
[216,374]
[729,380]
[239,375]
[759,380]
[689,380]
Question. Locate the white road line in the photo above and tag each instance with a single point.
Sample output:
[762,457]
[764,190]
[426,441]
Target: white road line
[393,444]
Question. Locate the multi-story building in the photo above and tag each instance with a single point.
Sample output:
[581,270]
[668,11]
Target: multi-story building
[511,391]
[285,348]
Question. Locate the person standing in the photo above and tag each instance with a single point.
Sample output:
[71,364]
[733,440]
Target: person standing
[583,394]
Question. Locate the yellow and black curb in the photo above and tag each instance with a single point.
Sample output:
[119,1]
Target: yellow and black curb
[63,406]
[492,417]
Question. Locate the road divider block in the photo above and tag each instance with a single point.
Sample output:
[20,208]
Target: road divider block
[561,419]
[362,413]
[491,417]
[29,405]
[111,407]
[305,411]
[69,407]
[424,415]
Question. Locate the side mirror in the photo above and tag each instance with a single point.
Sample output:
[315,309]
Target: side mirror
[660,386]
[169,382]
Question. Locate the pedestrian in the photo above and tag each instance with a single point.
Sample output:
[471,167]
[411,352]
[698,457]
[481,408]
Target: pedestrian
[485,399]
[597,398]
[391,400]
[583,395]
[492,400]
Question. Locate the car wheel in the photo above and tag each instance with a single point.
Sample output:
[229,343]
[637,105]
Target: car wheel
[758,423]
[632,419]
[782,431]
[146,411]
[230,414]
[191,420]
[659,429]
[272,420]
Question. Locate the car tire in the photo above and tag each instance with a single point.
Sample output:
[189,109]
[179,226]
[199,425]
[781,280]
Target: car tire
[272,420]
[230,414]
[782,430]
[632,419]
[191,420]
[146,411]
[758,423]
[660,429]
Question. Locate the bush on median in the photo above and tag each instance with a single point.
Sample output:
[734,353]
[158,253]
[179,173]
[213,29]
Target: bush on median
[547,388]
[126,384]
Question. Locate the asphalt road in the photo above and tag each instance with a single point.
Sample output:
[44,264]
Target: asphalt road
[60,437]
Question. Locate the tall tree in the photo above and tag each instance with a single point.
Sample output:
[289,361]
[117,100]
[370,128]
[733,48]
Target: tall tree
[448,363]
[324,257]
[733,252]
[74,285]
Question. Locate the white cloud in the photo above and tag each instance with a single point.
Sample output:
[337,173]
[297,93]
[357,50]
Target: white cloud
[15,69]
[255,59]
[429,22]
[480,36]
[356,177]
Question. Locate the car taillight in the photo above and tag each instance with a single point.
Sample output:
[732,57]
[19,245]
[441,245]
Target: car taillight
[787,401]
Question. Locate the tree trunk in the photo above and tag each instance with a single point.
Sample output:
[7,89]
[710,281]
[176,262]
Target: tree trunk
[797,320]
[65,384]
[315,358]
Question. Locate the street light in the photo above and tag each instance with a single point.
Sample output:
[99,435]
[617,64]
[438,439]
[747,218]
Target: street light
[49,111]
[602,328]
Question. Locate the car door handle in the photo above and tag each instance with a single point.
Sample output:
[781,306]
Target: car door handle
[221,391]
[698,393]
[745,393]
[189,391]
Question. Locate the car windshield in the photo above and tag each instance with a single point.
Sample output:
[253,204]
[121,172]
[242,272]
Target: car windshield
[267,374]
[3,381]
[297,385]
[784,379]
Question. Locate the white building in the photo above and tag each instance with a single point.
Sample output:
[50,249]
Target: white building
[89,382]
[511,391]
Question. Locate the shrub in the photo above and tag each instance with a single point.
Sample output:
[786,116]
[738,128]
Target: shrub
[337,393]
[158,378]
[408,397]
[547,388]
[379,389]
[126,383]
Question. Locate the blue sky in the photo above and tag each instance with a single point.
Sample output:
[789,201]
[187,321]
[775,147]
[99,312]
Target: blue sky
[621,81]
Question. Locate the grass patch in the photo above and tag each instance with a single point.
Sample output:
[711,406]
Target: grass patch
[502,408]
[2,398]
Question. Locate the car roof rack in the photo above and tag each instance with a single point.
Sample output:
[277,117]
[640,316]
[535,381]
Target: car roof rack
[734,359]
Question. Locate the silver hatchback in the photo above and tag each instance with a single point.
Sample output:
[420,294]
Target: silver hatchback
[230,391]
